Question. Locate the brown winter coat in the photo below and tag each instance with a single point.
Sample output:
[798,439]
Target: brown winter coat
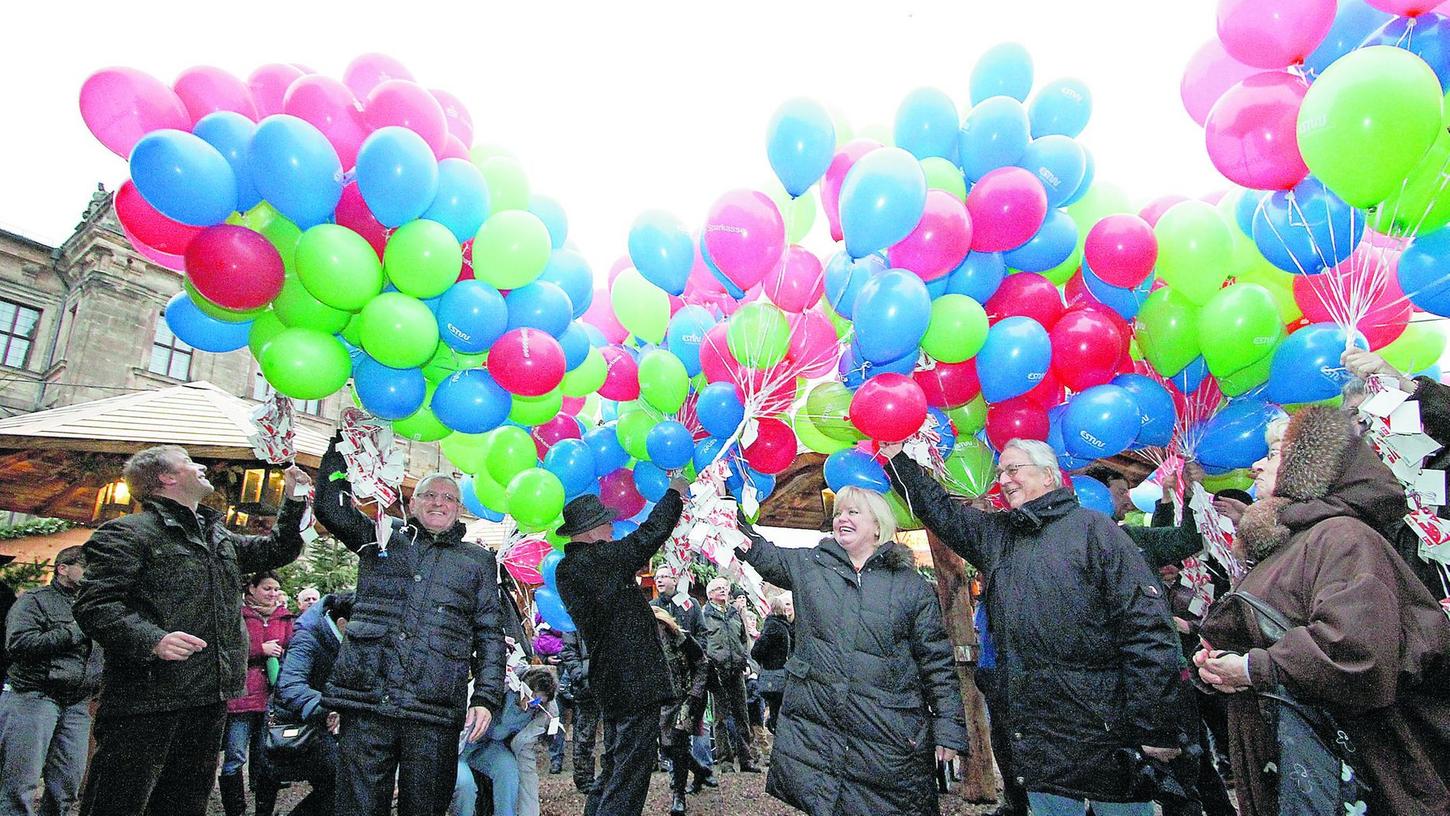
[1371,644]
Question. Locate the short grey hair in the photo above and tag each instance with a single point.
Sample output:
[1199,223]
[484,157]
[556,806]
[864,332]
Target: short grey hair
[436,476]
[1041,454]
[143,470]
[1275,431]
[777,604]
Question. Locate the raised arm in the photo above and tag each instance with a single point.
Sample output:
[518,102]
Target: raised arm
[279,547]
[104,605]
[27,637]
[957,525]
[1162,546]
[932,651]
[634,551]
[334,505]
[778,565]
[489,658]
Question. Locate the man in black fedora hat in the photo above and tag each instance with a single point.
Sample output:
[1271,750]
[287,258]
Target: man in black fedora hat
[627,670]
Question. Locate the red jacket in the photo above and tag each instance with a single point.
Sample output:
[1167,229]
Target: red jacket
[278,627]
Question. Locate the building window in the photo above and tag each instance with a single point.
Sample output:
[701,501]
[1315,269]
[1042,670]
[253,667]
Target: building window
[170,355]
[17,333]
[261,389]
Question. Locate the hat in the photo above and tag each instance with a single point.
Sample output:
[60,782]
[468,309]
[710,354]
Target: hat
[737,591]
[585,513]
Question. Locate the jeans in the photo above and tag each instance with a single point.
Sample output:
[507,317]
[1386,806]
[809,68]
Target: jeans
[700,750]
[1047,804]
[245,739]
[373,750]
[495,760]
[586,730]
[41,741]
[631,742]
[158,764]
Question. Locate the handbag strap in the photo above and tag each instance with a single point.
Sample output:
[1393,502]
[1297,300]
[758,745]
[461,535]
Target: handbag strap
[1267,612]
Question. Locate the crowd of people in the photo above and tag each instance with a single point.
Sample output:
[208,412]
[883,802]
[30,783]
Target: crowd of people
[1315,680]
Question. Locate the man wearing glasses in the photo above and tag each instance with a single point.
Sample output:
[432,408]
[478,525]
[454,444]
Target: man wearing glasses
[426,617]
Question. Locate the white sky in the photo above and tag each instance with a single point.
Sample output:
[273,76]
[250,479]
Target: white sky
[613,107]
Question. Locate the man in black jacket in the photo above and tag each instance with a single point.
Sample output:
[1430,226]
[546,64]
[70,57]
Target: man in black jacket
[45,718]
[425,616]
[162,595]
[627,669]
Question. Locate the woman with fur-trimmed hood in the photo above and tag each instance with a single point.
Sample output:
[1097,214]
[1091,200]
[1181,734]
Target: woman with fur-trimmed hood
[1369,643]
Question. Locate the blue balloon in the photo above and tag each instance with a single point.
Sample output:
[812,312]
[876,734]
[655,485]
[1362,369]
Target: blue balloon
[948,435]
[552,610]
[650,481]
[1234,437]
[539,305]
[1190,376]
[1059,163]
[891,315]
[1052,244]
[471,316]
[184,177]
[555,219]
[572,460]
[549,569]
[730,288]
[936,287]
[1156,411]
[471,402]
[569,271]
[978,276]
[1093,494]
[1353,22]
[800,142]
[471,502]
[1426,36]
[1062,108]
[670,445]
[926,125]
[882,200]
[851,467]
[1306,365]
[462,202]
[661,249]
[720,409]
[296,169]
[1089,171]
[1004,70]
[742,474]
[1306,229]
[1014,359]
[709,449]
[1126,302]
[1065,460]
[622,528]
[397,175]
[609,455]
[845,277]
[575,343]
[1100,421]
[686,333]
[1245,207]
[995,134]
[388,393]
[854,369]
[195,328]
[231,134]
[596,337]
[1424,272]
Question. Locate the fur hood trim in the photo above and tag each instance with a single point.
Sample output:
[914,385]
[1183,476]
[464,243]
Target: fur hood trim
[892,554]
[1318,445]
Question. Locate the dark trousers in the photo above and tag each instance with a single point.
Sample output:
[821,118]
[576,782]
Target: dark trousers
[682,762]
[727,697]
[319,770]
[772,704]
[373,748]
[160,764]
[631,742]
[586,733]
[1196,772]
[1014,795]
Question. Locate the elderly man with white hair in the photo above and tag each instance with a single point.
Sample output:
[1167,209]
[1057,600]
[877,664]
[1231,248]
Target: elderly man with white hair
[727,652]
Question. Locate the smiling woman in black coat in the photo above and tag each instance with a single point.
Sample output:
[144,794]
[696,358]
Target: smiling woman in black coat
[871,694]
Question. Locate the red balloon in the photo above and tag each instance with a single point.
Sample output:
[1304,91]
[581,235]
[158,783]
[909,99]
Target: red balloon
[1251,132]
[352,212]
[716,361]
[814,348]
[1086,349]
[1016,418]
[1025,294]
[234,267]
[621,377]
[562,426]
[940,241]
[1007,207]
[143,223]
[1121,250]
[618,493]
[1325,298]
[889,407]
[773,389]
[773,449]
[949,385]
[527,362]
[836,176]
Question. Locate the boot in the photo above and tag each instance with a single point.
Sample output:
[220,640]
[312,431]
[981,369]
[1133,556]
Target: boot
[677,805]
[747,766]
[266,795]
[234,794]
[701,782]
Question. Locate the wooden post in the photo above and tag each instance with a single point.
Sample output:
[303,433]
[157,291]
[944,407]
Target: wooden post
[979,782]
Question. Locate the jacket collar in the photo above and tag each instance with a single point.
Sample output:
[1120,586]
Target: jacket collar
[453,535]
[174,514]
[889,555]
[1034,515]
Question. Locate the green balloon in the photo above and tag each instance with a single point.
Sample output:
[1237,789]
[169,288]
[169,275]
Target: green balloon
[398,331]
[905,520]
[465,451]
[508,187]
[536,410]
[758,335]
[970,418]
[970,470]
[1238,327]
[663,381]
[510,452]
[1195,250]
[422,258]
[535,498]
[445,362]
[840,324]
[585,378]
[641,307]
[957,330]
[1421,207]
[1168,331]
[828,407]
[210,309]
[1102,199]
[1241,479]
[423,425]
[490,493]
[296,307]
[799,214]
[1256,269]
[275,227]
[264,328]
[338,267]
[632,430]
[1367,121]
[511,249]
[812,438]
[305,363]
[1246,379]
[945,176]
[1416,349]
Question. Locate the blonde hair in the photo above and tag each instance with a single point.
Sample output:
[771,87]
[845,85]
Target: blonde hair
[873,503]
[777,604]
[1275,431]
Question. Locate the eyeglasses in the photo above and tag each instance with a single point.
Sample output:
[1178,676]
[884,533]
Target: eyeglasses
[440,498]
[1010,471]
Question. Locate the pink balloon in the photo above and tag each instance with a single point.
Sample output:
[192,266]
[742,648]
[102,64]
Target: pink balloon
[330,107]
[621,378]
[460,123]
[352,212]
[836,176]
[701,281]
[940,241]
[797,282]
[1273,33]
[1210,72]
[1153,210]
[1368,281]
[1405,8]
[120,105]
[269,85]
[562,426]
[1121,250]
[1025,294]
[454,149]
[1007,207]
[716,361]
[620,264]
[814,348]
[1251,132]
[526,362]
[745,236]
[600,315]
[370,70]
[573,405]
[618,493]
[148,229]
[407,104]
[205,90]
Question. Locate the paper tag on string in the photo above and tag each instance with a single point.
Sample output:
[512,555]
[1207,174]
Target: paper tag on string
[1406,419]
[749,433]
[1429,487]
[1384,403]
[273,436]
[1217,532]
